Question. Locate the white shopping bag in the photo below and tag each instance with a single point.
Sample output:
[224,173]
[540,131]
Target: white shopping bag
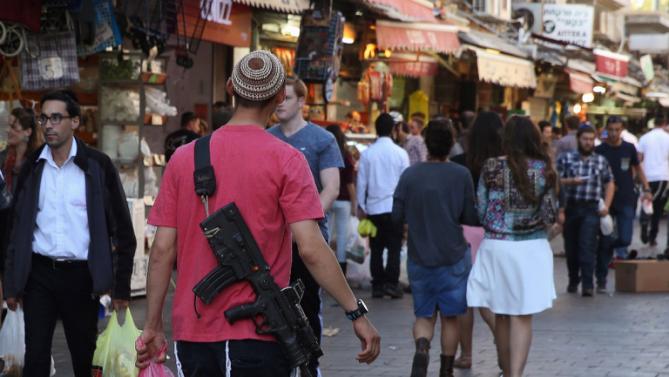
[12,343]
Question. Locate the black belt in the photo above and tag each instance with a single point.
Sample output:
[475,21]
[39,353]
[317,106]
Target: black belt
[57,263]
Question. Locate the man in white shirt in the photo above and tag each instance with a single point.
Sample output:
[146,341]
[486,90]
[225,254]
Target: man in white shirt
[379,171]
[59,259]
[654,154]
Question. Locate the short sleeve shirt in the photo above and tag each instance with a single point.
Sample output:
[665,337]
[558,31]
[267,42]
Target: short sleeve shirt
[271,184]
[622,159]
[319,148]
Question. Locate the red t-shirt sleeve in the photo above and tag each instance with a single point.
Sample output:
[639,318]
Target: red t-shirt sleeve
[299,198]
[164,210]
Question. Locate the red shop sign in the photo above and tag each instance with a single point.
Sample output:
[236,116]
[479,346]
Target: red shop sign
[610,63]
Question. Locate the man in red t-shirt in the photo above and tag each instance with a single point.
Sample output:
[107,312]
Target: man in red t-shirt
[273,187]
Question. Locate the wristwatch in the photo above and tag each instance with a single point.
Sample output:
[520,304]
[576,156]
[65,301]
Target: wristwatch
[359,312]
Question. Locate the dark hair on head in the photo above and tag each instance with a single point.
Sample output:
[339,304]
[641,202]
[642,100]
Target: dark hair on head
[404,126]
[64,95]
[187,117]
[418,114]
[615,119]
[572,122]
[484,140]
[339,137]
[543,124]
[660,119]
[27,121]
[439,138]
[585,129]
[384,124]
[522,141]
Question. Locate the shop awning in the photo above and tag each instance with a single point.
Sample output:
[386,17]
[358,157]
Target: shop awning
[504,70]
[404,10]
[287,6]
[417,36]
[580,82]
[413,65]
[490,41]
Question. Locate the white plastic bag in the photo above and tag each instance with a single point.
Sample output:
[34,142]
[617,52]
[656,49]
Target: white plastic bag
[12,343]
[356,246]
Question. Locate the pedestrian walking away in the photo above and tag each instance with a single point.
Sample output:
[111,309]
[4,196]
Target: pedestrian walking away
[324,157]
[654,153]
[271,185]
[484,141]
[379,171]
[60,257]
[623,160]
[513,273]
[434,198]
[345,206]
[586,179]
[568,143]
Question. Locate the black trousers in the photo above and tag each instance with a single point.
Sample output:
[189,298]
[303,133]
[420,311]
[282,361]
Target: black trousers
[248,358]
[59,291]
[388,236]
[311,301]
[660,191]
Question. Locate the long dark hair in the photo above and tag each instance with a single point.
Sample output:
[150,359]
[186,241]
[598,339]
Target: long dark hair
[484,140]
[340,137]
[26,118]
[522,141]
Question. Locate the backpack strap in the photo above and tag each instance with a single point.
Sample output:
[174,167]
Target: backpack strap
[204,176]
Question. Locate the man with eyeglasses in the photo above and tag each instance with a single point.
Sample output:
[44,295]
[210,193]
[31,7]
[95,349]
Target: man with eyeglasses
[72,242]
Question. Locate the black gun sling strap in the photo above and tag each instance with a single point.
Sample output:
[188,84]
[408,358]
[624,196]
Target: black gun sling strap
[204,176]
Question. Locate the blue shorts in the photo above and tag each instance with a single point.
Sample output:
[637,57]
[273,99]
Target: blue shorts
[441,288]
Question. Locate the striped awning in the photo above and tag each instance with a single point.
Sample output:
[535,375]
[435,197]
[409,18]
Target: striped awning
[287,6]
[417,36]
[404,10]
[504,70]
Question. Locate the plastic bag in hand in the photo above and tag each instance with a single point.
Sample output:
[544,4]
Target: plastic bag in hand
[155,369]
[12,343]
[115,353]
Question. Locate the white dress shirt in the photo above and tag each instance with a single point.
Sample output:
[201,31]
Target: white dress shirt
[380,168]
[61,229]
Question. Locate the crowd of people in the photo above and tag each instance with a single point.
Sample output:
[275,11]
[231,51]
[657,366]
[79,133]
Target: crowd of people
[475,205]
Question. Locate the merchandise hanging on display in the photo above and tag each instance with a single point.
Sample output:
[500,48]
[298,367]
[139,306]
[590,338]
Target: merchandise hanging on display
[376,85]
[55,66]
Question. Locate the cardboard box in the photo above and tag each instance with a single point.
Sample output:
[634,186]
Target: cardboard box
[642,276]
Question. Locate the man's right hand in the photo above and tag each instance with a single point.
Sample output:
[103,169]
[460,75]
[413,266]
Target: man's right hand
[13,303]
[150,346]
[361,214]
[369,339]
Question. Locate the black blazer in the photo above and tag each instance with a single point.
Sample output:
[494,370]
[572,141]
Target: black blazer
[112,246]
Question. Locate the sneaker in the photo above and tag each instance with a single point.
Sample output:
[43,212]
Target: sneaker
[632,254]
[587,292]
[571,288]
[393,290]
[377,292]
[601,289]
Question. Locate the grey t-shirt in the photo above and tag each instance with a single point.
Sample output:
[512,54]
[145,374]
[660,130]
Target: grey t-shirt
[434,199]
[321,151]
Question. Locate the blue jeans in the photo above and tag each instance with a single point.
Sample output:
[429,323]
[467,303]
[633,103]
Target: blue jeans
[607,244]
[581,232]
[341,211]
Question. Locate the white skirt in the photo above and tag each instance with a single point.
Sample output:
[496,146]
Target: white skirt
[512,277]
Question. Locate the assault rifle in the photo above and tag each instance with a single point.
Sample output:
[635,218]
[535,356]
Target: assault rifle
[239,258]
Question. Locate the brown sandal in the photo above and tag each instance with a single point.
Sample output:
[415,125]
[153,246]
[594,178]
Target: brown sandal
[463,362]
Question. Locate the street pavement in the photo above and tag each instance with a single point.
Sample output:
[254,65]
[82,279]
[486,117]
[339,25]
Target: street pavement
[615,335]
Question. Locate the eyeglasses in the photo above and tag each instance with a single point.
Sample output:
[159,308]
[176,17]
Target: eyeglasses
[55,119]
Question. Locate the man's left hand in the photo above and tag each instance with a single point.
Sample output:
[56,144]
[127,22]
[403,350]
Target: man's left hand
[604,211]
[648,196]
[120,305]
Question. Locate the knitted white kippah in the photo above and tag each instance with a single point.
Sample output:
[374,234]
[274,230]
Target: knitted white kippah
[258,76]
